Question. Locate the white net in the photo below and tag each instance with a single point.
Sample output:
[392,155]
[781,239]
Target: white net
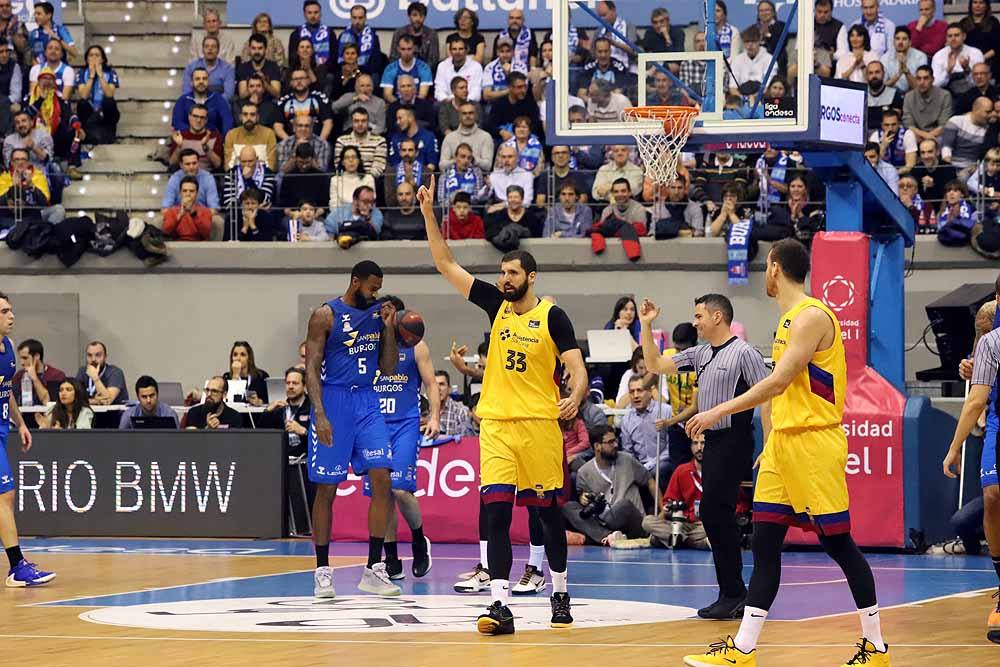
[660,134]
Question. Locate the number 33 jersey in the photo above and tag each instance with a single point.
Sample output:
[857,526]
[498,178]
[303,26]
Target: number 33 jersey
[522,367]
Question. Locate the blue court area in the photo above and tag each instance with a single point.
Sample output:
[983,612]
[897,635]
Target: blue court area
[812,585]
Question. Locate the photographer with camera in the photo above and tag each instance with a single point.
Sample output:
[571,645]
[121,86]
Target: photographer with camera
[609,491]
[679,521]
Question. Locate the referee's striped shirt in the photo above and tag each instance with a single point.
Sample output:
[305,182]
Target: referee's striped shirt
[987,359]
[723,372]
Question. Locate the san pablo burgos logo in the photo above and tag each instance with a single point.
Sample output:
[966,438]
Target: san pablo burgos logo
[838,293]
[342,8]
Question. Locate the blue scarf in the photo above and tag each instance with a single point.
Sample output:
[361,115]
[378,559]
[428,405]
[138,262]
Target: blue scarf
[724,39]
[320,40]
[896,151]
[461,182]
[365,42]
[739,256]
[616,52]
[778,173]
[417,172]
[528,158]
[965,215]
[522,45]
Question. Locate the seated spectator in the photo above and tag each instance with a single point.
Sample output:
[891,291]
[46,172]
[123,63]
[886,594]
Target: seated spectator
[13,28]
[214,413]
[31,356]
[806,217]
[469,134]
[931,173]
[250,172]
[509,221]
[243,367]
[957,216]
[48,30]
[928,32]
[303,135]
[609,491]
[407,63]
[407,98]
[364,39]
[981,87]
[258,64]
[752,63]
[96,86]
[530,152]
[459,65]
[684,487]
[476,372]
[424,39]
[372,148]
[604,104]
[467,27]
[874,22]
[727,34]
[984,182]
[897,145]
[923,213]
[221,76]
[404,223]
[884,169]
[249,220]
[675,214]
[303,102]
[188,221]
[718,170]
[576,440]
[926,108]
[321,37]
[454,415]
[363,97]
[211,23]
[496,74]
[464,176]
[902,61]
[220,118]
[449,118]
[881,98]
[770,32]
[103,383]
[350,175]
[516,103]
[71,409]
[568,218]
[32,137]
[291,413]
[462,222]
[310,223]
[605,68]
[358,221]
[11,84]
[56,116]
[409,170]
[566,170]
[149,405]
[317,74]
[694,72]
[344,77]
[208,193]
[626,209]
[952,65]
[267,106]
[426,143]
[981,28]
[853,61]
[619,167]
[964,135]
[249,134]
[302,179]
[539,76]
[263,25]
[662,36]
[508,173]
[55,61]
[29,197]
[664,93]
[731,211]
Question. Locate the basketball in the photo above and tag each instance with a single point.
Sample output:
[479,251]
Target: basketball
[409,328]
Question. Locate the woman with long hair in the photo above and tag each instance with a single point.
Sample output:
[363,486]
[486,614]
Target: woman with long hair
[263,25]
[304,59]
[243,366]
[805,216]
[349,177]
[851,65]
[726,35]
[96,84]
[624,316]
[467,27]
[982,30]
[344,79]
[71,409]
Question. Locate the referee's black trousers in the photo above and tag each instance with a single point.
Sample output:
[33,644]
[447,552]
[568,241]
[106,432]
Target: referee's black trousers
[727,459]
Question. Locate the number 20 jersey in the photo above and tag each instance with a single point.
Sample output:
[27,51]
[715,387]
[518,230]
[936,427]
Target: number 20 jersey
[399,393]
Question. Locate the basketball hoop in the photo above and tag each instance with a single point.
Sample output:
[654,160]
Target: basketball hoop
[660,134]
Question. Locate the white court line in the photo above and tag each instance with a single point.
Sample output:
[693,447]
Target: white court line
[915,603]
[794,583]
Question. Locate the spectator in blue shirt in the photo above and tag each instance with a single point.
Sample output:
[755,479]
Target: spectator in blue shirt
[96,85]
[48,30]
[427,144]
[408,63]
[148,393]
[221,75]
[220,117]
[208,193]
[358,221]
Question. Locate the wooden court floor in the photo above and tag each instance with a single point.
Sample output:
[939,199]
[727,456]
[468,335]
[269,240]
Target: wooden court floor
[948,631]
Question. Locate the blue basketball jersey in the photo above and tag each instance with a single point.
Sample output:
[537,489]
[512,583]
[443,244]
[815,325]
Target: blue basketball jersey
[399,393]
[352,348]
[992,418]
[8,366]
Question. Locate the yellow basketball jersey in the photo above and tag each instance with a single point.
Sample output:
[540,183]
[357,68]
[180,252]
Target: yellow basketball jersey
[520,380]
[680,385]
[815,398]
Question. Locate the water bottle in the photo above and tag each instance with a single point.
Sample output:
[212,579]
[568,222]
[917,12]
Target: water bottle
[27,395]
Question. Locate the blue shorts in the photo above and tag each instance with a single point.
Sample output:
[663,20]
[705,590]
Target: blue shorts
[6,476]
[988,465]
[404,439]
[360,437]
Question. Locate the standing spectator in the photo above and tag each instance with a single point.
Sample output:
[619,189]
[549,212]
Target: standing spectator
[685,486]
[30,195]
[10,84]
[14,31]
[147,391]
[243,367]
[212,26]
[458,66]
[926,108]
[31,356]
[407,98]
[220,118]
[363,97]
[214,413]
[424,39]
[952,65]
[258,64]
[851,63]
[263,25]
[462,222]
[449,110]
[902,61]
[879,28]
[509,221]
[981,87]
[468,133]
[507,173]
[404,223]
[373,148]
[206,143]
[454,415]
[826,30]
[71,409]
[931,173]
[467,28]
[496,74]
[365,40]
[898,145]
[407,63]
[188,221]
[302,126]
[568,218]
[516,103]
[249,173]
[522,38]
[47,31]
[304,102]
[221,75]
[410,169]
[304,59]
[963,137]
[357,221]
[428,153]
[982,30]
[625,209]
[881,98]
[322,37]
[96,86]
[605,68]
[617,168]
[302,180]
[928,32]
[463,176]
[104,383]
[208,193]
[55,60]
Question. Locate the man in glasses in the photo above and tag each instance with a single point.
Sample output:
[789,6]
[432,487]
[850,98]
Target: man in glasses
[206,142]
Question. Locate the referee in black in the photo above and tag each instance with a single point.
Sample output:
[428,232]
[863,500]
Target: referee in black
[726,367]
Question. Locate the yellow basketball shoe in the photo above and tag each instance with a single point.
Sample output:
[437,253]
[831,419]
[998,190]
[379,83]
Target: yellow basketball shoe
[723,653]
[867,655]
[993,622]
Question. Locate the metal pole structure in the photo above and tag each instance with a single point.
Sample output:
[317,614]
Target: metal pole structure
[961,469]
[774,56]
[659,432]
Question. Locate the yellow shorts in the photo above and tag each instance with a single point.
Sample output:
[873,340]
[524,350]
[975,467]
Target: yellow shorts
[802,481]
[520,458]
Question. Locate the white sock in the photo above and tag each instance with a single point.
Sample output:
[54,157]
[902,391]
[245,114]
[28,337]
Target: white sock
[871,626]
[498,588]
[536,556]
[482,554]
[558,581]
[753,623]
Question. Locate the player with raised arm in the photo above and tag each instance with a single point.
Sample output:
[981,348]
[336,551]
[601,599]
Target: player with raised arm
[22,573]
[521,450]
[349,339]
[802,481]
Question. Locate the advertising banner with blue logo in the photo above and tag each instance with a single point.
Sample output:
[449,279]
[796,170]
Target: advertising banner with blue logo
[492,14]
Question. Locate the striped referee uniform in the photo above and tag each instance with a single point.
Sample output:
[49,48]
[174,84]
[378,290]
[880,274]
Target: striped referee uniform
[723,373]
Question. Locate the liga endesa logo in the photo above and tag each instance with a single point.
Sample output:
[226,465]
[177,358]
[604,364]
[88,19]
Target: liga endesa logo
[836,114]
